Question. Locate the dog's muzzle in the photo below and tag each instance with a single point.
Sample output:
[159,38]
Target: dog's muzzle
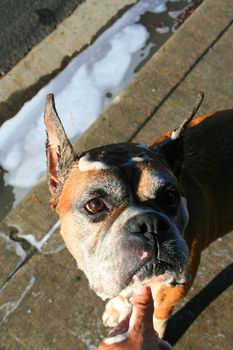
[165,251]
[139,246]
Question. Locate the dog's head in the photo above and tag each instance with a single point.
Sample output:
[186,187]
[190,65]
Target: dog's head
[121,207]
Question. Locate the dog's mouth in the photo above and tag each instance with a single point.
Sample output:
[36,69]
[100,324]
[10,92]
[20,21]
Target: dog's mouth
[154,267]
[165,272]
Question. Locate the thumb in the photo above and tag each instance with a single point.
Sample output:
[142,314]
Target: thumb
[141,293]
[142,318]
[142,315]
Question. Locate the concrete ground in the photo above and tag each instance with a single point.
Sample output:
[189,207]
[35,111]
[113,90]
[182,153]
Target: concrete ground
[24,23]
[45,302]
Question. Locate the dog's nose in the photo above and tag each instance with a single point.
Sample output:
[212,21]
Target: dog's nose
[147,224]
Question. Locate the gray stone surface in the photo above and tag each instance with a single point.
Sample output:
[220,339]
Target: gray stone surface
[47,303]
[24,23]
[212,74]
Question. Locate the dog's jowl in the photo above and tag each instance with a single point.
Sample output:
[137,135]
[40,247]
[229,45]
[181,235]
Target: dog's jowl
[132,212]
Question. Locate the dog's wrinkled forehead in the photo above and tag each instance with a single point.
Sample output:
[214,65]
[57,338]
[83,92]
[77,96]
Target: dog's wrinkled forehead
[115,166]
[116,155]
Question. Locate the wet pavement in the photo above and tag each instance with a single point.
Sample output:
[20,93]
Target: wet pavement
[45,302]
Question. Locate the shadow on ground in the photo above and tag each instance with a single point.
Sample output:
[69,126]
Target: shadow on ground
[183,319]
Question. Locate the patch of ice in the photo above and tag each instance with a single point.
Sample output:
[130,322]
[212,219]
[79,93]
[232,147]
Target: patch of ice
[163,30]
[20,252]
[159,8]
[39,244]
[9,307]
[175,14]
[54,250]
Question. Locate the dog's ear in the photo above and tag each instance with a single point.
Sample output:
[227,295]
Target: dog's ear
[171,147]
[59,150]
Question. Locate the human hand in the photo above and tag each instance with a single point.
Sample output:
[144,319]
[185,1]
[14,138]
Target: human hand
[136,332]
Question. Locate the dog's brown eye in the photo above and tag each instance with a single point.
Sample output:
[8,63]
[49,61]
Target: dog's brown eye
[95,205]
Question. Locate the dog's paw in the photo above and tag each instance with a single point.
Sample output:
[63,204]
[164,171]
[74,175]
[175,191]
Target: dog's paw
[117,309]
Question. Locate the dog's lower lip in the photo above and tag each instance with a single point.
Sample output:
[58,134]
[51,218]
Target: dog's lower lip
[153,267]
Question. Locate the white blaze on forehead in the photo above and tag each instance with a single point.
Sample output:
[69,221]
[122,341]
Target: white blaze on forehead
[86,164]
[142,158]
[138,159]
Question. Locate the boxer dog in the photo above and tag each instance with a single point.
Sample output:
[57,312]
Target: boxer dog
[133,213]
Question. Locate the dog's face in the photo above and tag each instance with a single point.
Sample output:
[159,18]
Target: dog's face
[122,211]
